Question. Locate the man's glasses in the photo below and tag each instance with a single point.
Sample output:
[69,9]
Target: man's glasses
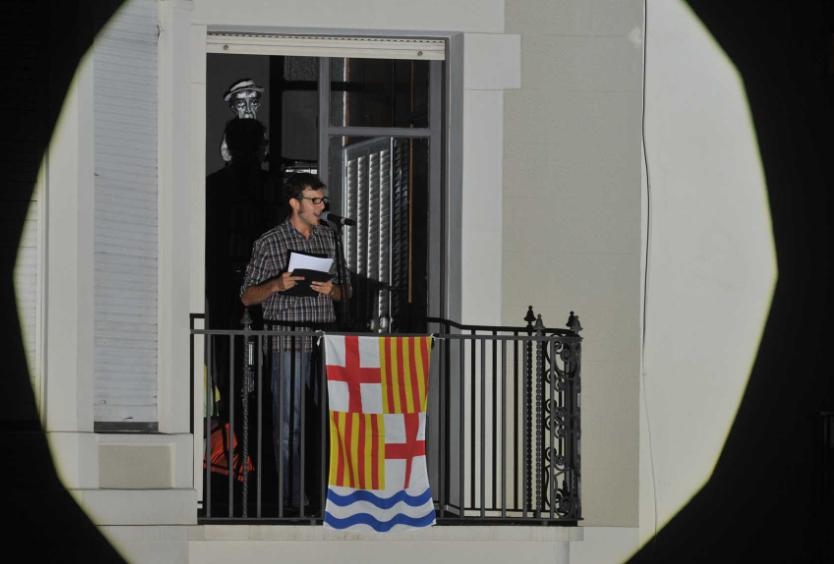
[316,201]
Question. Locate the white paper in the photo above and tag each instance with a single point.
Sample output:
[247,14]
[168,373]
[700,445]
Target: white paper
[307,262]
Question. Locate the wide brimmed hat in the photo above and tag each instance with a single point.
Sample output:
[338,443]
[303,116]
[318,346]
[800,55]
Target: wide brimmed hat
[240,86]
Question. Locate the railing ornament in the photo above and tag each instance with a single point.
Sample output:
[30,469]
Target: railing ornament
[530,317]
[573,323]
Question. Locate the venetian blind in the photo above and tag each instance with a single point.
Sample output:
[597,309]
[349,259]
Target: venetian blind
[125,109]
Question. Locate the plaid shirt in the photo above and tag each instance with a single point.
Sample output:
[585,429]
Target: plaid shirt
[270,257]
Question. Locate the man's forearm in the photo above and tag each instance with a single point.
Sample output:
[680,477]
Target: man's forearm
[257,294]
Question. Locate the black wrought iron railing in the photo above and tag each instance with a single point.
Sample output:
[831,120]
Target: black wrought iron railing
[503,424]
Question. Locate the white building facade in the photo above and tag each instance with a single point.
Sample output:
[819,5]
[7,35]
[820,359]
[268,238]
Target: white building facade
[544,156]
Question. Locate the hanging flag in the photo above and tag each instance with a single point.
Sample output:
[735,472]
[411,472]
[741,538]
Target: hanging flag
[377,389]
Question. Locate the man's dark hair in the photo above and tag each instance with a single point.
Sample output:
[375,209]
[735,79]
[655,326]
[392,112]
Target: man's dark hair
[295,184]
[245,138]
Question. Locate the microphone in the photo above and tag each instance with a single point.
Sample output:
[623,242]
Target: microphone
[331,217]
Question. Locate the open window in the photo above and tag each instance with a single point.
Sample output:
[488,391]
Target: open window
[366,115]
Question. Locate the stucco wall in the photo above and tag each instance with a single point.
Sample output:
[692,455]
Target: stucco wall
[571,213]
[711,268]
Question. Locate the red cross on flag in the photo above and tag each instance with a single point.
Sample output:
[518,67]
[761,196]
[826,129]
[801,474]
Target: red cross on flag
[413,445]
[353,374]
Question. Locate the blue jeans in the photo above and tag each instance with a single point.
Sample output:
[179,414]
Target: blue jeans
[289,370]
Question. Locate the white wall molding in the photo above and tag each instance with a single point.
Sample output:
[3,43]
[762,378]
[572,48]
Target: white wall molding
[76,458]
[492,61]
[70,285]
[259,543]
[175,259]
[139,507]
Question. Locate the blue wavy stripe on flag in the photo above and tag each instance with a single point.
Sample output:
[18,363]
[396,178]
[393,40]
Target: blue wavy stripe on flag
[377,525]
[380,502]
[380,514]
[381,508]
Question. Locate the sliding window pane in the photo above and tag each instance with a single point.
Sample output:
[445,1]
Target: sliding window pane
[379,93]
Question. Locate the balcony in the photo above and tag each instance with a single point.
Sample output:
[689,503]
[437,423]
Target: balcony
[503,425]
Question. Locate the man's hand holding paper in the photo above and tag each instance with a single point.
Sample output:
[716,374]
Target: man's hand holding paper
[310,275]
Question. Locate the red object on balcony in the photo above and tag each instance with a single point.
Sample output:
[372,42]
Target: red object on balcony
[219,450]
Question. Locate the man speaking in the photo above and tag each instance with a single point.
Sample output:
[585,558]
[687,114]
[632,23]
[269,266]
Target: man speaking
[268,281]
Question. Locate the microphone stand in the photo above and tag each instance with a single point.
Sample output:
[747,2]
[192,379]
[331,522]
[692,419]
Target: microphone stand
[384,322]
[340,271]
